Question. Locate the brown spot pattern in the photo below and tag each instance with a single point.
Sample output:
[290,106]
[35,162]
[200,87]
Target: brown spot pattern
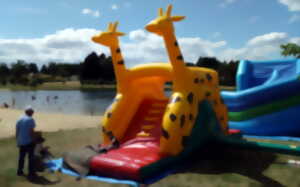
[172,117]
[196,80]
[179,57]
[207,94]
[191,117]
[182,120]
[109,115]
[176,43]
[118,50]
[165,133]
[209,77]
[190,97]
[109,133]
[121,62]
[177,99]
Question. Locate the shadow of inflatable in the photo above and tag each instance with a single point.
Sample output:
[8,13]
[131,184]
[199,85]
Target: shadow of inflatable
[220,160]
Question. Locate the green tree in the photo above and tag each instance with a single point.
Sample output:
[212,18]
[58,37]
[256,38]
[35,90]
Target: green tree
[208,62]
[107,69]
[44,69]
[4,70]
[67,70]
[53,69]
[290,49]
[32,68]
[19,69]
[90,68]
[226,70]
[4,73]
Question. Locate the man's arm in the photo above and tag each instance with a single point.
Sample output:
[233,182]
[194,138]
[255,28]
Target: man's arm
[17,129]
[32,130]
[32,133]
[17,132]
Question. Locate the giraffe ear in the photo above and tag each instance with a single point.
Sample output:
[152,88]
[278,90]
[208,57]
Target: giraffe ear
[114,26]
[169,10]
[160,12]
[177,18]
[110,25]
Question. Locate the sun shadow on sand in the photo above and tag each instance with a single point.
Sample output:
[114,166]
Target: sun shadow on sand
[222,160]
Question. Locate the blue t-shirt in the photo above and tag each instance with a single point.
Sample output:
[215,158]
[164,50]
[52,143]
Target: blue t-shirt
[24,126]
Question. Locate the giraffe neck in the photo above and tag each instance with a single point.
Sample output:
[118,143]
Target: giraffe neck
[174,53]
[118,63]
[176,59]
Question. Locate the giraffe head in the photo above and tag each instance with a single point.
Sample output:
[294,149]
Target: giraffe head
[164,22]
[110,37]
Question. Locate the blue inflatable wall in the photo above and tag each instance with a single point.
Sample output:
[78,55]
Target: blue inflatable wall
[261,83]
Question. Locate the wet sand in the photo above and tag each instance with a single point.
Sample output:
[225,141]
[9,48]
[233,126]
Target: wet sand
[46,122]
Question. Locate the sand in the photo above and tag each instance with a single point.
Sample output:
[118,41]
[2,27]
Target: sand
[46,122]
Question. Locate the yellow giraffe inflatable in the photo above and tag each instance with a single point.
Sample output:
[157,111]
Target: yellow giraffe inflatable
[191,86]
[133,86]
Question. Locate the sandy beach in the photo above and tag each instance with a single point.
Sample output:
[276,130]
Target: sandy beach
[46,122]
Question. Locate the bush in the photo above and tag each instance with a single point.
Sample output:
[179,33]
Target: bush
[23,81]
[3,81]
[12,80]
[35,82]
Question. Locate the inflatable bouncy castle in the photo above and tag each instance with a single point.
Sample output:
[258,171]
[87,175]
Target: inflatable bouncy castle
[150,126]
[151,135]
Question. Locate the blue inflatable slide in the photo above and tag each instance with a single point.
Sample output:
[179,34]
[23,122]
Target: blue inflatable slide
[267,98]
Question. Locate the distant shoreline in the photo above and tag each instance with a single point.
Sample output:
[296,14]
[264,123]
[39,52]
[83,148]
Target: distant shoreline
[75,85]
[69,85]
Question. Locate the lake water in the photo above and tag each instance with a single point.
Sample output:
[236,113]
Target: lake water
[67,102]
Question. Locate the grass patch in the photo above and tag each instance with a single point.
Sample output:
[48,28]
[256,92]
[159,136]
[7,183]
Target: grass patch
[16,87]
[227,88]
[224,168]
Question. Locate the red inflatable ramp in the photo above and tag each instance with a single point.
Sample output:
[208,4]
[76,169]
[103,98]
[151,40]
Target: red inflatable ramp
[125,162]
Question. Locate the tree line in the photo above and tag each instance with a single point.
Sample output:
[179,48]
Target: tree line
[95,69]
[98,69]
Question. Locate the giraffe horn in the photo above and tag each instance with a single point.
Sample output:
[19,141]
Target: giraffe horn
[169,10]
[114,27]
[160,12]
[109,26]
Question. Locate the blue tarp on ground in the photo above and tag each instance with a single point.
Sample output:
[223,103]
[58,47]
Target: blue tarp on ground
[57,165]
[264,82]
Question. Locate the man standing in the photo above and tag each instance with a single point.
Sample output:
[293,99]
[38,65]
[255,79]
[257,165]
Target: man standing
[25,141]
